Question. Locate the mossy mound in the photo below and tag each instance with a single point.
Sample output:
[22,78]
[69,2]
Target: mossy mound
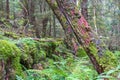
[30,53]
[34,51]
[49,46]
[8,49]
[27,52]
[10,53]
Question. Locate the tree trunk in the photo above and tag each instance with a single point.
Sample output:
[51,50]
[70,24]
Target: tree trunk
[2,69]
[25,12]
[70,37]
[32,18]
[7,9]
[44,29]
[54,26]
[50,24]
[84,8]
[67,12]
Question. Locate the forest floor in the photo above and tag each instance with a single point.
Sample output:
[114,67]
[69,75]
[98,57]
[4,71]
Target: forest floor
[27,58]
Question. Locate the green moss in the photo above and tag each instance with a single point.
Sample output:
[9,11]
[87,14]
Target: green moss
[42,54]
[81,52]
[10,51]
[29,51]
[17,66]
[107,60]
[93,49]
[3,37]
[49,46]
[11,35]
[35,51]
[54,5]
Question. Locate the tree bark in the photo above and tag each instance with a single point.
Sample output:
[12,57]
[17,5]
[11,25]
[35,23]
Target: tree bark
[25,11]
[44,28]
[32,18]
[7,9]
[70,39]
[67,12]
[84,8]
[2,69]
[54,26]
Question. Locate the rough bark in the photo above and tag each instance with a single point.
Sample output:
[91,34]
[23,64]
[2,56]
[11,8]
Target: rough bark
[70,37]
[32,18]
[84,8]
[44,28]
[67,12]
[54,26]
[7,9]
[25,11]
[2,70]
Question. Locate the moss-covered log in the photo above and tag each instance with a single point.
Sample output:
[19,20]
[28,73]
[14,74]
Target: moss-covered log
[99,55]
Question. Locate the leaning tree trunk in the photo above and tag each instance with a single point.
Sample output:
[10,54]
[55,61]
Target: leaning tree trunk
[72,20]
[70,37]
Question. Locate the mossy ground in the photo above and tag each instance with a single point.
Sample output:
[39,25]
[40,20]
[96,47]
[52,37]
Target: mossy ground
[57,61]
[27,52]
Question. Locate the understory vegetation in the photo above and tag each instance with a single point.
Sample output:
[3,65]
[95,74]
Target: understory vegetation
[48,59]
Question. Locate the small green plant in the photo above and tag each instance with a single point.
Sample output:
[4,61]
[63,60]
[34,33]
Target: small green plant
[117,54]
[65,69]
[112,74]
